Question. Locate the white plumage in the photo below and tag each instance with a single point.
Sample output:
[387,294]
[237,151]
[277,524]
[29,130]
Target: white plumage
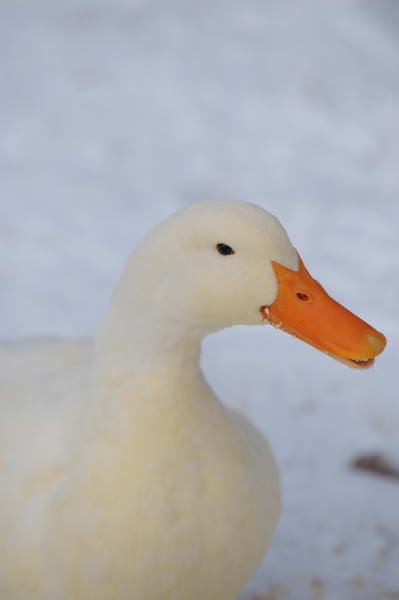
[123,476]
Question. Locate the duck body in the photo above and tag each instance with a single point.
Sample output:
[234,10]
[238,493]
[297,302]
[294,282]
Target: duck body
[123,476]
[42,383]
[179,534]
[89,531]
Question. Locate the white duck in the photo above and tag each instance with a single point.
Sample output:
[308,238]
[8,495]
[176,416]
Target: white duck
[131,480]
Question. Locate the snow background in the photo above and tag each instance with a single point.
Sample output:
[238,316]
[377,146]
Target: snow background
[114,114]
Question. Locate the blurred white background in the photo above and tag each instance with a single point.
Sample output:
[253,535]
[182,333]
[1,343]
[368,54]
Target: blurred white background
[113,114]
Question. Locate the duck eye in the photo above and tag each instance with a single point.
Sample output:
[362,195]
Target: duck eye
[224,249]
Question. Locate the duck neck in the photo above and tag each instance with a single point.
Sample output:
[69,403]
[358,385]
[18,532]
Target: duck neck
[137,339]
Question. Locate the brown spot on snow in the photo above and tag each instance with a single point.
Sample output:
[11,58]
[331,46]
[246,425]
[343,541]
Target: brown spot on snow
[376,464]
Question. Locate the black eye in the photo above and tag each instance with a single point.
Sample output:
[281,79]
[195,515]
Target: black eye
[224,249]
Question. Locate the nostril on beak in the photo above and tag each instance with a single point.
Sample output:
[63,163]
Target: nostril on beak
[377,341]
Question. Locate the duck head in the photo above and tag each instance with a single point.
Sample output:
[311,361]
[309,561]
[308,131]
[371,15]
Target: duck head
[215,264]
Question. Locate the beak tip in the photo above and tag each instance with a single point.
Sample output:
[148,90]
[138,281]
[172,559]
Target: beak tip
[377,341]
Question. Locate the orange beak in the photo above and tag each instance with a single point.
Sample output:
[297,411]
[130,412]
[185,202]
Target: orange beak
[304,309]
